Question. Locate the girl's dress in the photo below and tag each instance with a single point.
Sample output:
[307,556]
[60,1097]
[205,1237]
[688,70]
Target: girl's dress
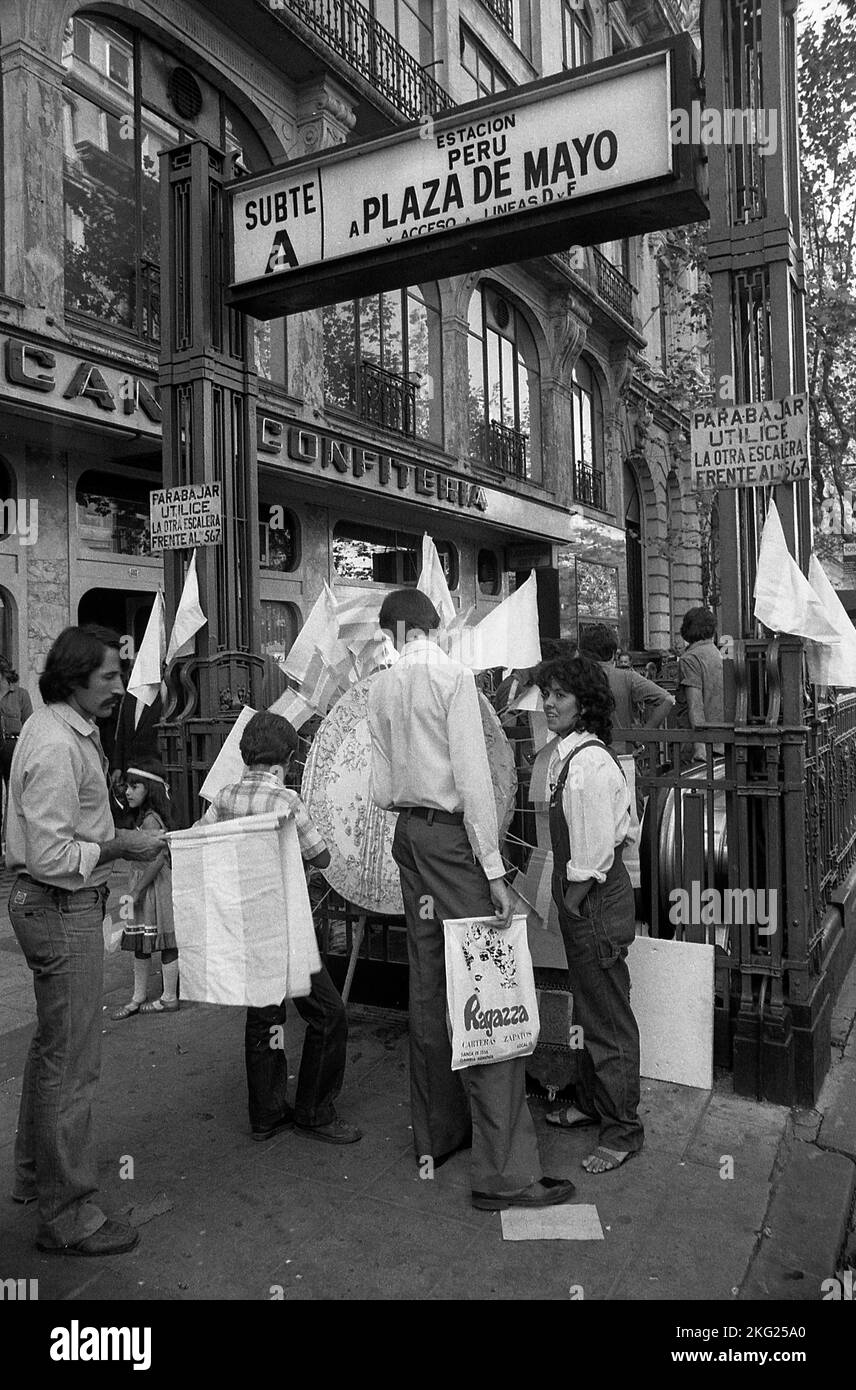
[153,928]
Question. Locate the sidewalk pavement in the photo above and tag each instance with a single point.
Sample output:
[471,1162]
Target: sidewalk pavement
[730,1199]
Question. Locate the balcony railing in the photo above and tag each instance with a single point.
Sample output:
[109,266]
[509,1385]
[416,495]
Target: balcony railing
[349,30]
[590,487]
[385,399]
[150,301]
[508,450]
[502,13]
[612,286]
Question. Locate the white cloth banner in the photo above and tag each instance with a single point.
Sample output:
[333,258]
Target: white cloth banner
[319,637]
[243,922]
[189,617]
[829,665]
[228,766]
[432,582]
[784,599]
[145,680]
[508,636]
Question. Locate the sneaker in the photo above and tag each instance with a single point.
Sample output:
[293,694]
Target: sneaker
[284,1122]
[113,1238]
[549,1192]
[336,1132]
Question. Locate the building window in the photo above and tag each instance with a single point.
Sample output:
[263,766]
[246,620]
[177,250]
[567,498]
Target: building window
[383,359]
[504,387]
[113,513]
[279,624]
[374,555]
[410,22]
[279,538]
[633,539]
[488,572]
[113,134]
[482,73]
[577,46]
[663,307]
[589,475]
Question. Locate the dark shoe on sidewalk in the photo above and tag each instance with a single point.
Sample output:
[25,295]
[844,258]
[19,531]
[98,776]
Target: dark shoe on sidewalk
[466,1143]
[284,1122]
[113,1238]
[24,1201]
[549,1192]
[336,1132]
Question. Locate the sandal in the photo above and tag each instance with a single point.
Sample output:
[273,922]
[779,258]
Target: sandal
[559,1119]
[610,1158]
[127,1011]
[159,1006]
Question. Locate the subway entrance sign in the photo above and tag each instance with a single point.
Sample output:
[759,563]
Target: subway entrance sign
[568,160]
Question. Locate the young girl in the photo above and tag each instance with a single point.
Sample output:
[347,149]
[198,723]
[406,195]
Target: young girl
[150,889]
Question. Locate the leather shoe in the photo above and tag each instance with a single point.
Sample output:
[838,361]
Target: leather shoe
[549,1192]
[113,1238]
[284,1122]
[336,1132]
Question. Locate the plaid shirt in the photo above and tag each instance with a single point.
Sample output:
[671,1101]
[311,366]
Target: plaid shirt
[258,792]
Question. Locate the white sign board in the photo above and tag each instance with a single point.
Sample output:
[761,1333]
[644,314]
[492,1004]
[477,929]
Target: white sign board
[524,151]
[183,517]
[751,445]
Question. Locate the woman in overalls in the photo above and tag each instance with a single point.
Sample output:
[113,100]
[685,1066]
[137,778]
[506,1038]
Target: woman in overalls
[589,824]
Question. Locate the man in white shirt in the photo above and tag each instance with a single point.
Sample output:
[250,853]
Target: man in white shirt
[429,763]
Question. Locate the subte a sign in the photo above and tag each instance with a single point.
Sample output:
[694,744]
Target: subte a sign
[572,159]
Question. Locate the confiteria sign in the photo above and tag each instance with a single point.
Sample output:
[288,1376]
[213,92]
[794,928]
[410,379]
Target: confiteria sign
[565,160]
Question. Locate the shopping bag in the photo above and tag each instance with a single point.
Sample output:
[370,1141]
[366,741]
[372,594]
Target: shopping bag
[490,989]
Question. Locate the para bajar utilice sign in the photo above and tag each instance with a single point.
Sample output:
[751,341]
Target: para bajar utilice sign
[181,517]
[568,159]
[751,445]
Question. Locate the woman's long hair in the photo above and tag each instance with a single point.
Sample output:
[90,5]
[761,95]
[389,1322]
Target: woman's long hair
[587,681]
[156,800]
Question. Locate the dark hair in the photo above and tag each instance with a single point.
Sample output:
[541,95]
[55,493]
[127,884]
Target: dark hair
[555,647]
[268,739]
[410,607]
[76,653]
[699,624]
[7,670]
[156,800]
[599,641]
[582,677]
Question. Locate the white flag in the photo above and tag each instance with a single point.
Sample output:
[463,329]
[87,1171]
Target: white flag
[784,599]
[145,679]
[189,617]
[292,706]
[508,636]
[432,582]
[831,665]
[228,766]
[319,637]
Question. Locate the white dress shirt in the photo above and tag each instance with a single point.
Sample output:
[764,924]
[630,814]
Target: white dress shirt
[596,803]
[428,745]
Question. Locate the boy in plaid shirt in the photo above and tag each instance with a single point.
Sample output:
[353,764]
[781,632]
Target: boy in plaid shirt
[267,746]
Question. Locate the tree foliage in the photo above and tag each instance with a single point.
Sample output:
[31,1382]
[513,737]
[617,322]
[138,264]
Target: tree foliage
[828,190]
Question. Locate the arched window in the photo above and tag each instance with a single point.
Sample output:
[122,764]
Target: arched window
[588,450]
[383,359]
[126,100]
[504,386]
[633,536]
[279,538]
[577,46]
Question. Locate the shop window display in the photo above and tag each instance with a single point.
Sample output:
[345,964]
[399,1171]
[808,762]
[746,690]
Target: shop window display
[371,554]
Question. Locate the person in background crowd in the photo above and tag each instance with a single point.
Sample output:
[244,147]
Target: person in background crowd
[628,688]
[268,744]
[429,763]
[15,709]
[699,695]
[622,659]
[590,820]
[150,889]
[60,842]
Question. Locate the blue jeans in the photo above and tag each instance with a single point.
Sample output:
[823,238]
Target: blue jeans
[61,936]
[322,1067]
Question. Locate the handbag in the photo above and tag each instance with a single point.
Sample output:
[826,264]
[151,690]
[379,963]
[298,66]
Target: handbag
[490,990]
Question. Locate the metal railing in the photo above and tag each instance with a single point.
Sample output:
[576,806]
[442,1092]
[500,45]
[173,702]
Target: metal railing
[385,399]
[612,286]
[508,450]
[502,12]
[355,35]
[150,301]
[590,487]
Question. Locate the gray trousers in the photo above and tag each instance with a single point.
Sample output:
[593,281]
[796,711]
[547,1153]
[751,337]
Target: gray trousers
[440,879]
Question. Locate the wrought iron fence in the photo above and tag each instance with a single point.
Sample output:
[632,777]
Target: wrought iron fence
[150,301]
[508,450]
[349,30]
[830,823]
[612,286]
[385,399]
[502,12]
[590,487]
